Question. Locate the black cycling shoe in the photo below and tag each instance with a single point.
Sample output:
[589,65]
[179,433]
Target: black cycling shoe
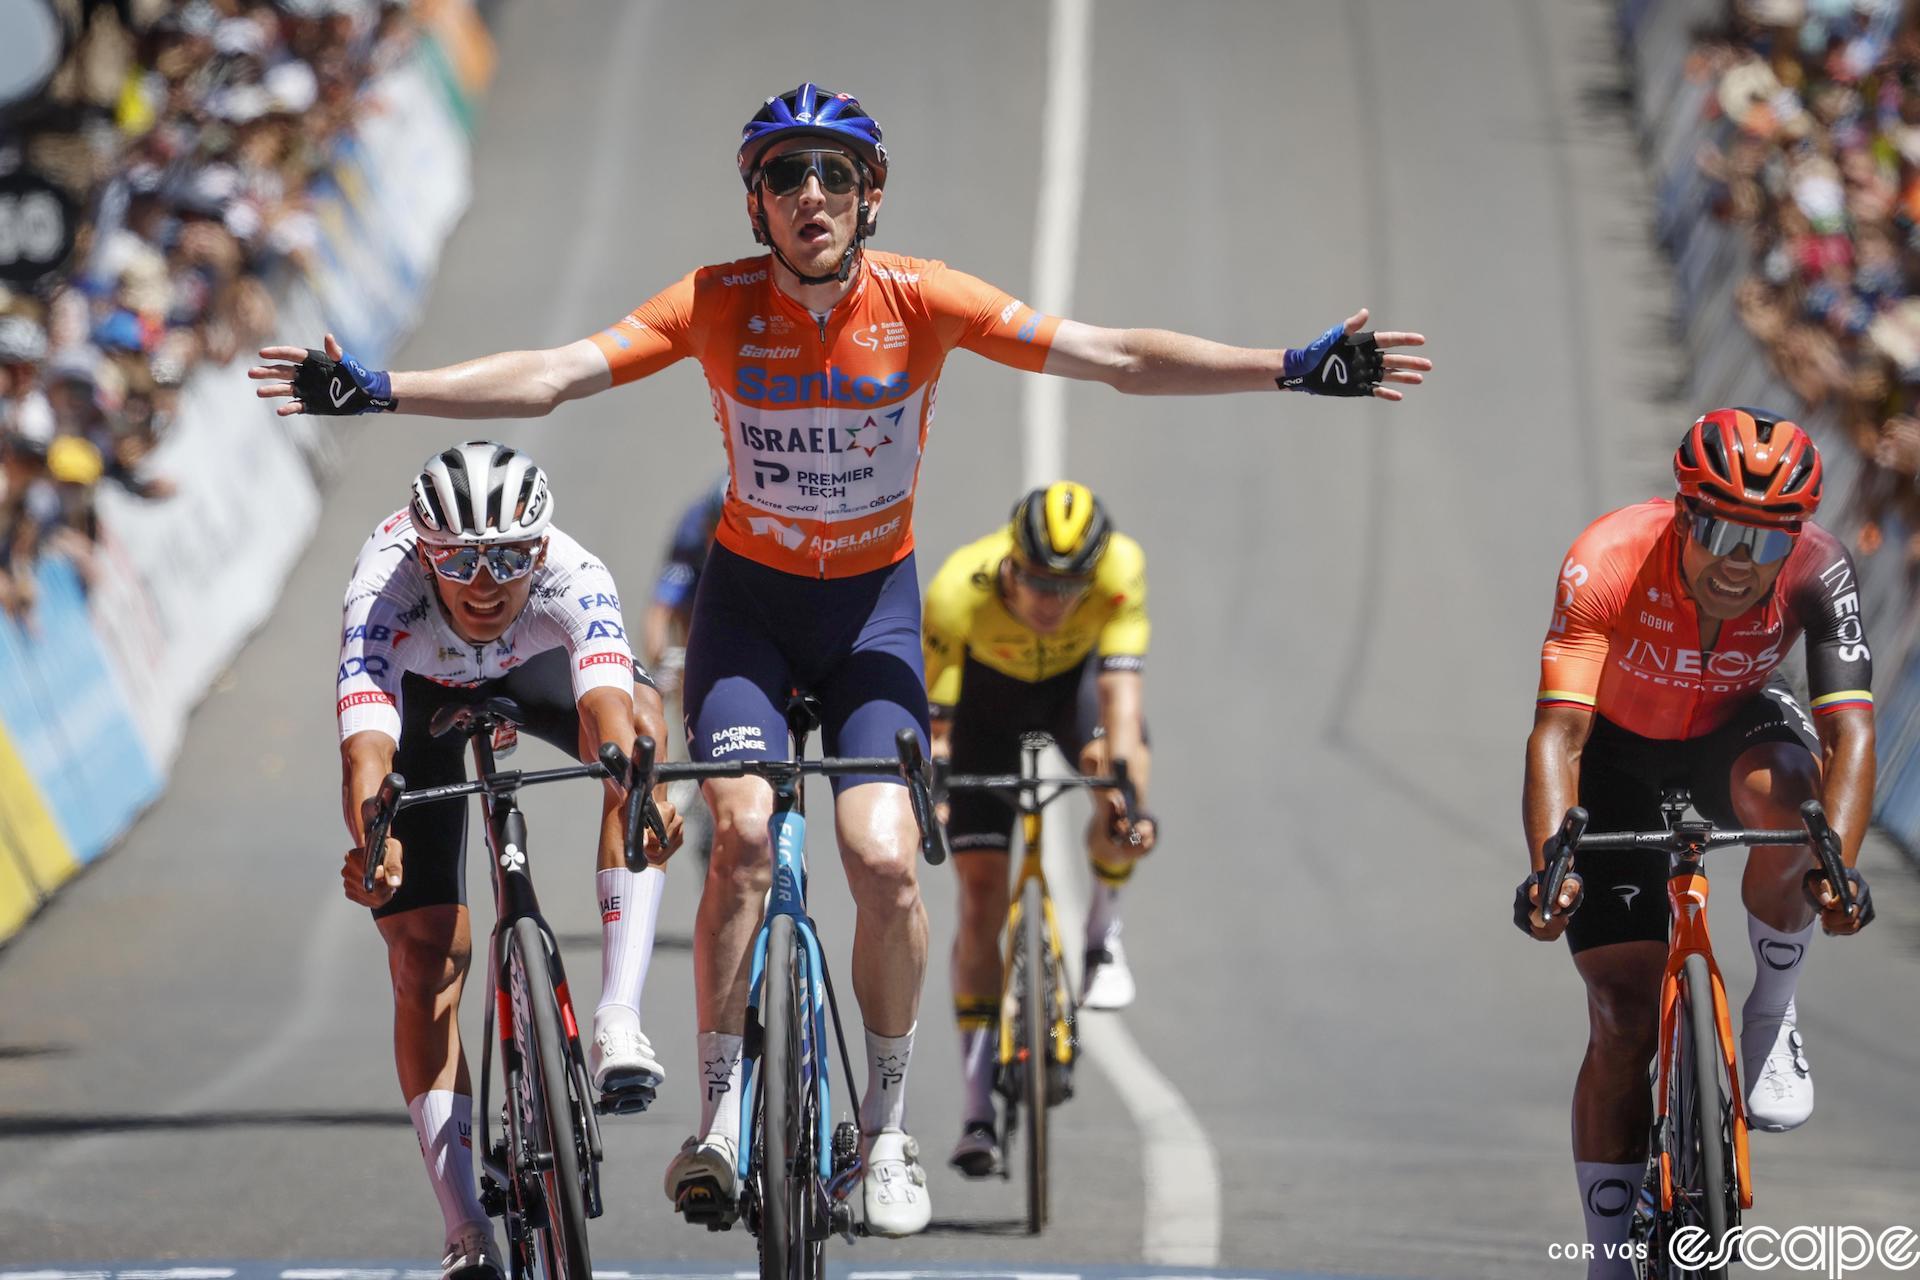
[977,1154]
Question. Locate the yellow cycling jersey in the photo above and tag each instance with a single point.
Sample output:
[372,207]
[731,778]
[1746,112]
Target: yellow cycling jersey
[964,617]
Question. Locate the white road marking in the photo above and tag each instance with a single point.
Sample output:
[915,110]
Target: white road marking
[182,1273]
[1182,1220]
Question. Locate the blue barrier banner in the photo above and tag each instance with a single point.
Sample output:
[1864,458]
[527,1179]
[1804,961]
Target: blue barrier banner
[69,718]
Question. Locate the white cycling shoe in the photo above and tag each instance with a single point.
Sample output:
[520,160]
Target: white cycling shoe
[621,1058]
[700,1182]
[1779,1081]
[894,1187]
[1108,980]
[471,1255]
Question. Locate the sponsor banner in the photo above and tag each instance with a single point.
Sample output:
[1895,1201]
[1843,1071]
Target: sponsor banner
[68,719]
[35,858]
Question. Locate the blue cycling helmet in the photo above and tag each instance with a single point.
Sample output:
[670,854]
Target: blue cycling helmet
[811,111]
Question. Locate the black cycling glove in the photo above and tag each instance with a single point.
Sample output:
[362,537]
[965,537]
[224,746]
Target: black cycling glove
[1337,363]
[1523,905]
[340,387]
[1862,895]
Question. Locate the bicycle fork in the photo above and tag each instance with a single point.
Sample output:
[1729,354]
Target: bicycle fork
[1687,901]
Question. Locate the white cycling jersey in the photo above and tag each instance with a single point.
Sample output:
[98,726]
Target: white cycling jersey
[393,623]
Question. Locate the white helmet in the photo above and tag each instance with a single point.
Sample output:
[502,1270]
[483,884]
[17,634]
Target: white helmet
[479,493]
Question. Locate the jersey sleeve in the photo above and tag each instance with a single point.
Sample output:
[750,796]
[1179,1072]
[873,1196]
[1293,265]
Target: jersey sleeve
[599,654]
[367,688]
[1827,600]
[652,336]
[973,314]
[1122,645]
[1590,593]
[946,618]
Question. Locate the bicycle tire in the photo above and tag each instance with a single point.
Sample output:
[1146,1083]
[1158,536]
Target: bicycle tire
[787,1249]
[1696,1112]
[1037,1022]
[547,1108]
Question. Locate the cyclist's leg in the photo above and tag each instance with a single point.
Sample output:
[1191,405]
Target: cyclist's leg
[1756,772]
[735,692]
[619,1056]
[1618,938]
[429,944]
[985,739]
[1108,980]
[875,690]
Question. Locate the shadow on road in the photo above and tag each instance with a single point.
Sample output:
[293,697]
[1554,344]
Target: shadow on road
[56,1125]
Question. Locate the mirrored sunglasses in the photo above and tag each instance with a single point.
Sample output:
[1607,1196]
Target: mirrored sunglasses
[1720,537]
[505,563]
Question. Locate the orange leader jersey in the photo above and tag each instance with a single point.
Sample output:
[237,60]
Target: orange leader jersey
[1625,637]
[824,417]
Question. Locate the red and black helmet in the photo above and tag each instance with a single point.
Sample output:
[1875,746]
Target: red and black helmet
[1749,465]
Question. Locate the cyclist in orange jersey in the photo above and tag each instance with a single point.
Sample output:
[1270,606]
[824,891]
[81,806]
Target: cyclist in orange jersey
[822,357]
[1660,668]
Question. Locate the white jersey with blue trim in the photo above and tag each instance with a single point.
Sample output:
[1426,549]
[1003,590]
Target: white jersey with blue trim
[393,624]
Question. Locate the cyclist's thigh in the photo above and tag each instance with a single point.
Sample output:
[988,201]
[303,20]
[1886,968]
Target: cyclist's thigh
[992,714]
[736,680]
[433,837]
[1772,715]
[544,689]
[877,686]
[1624,897]
[1082,724]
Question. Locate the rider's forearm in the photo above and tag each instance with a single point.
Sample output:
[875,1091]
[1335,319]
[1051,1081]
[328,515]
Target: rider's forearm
[510,384]
[365,761]
[1847,772]
[1160,362]
[656,631]
[1552,784]
[1121,717]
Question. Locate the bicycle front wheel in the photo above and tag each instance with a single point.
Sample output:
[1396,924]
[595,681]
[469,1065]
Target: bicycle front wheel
[1037,1014]
[1698,1116]
[790,1246]
[549,1128]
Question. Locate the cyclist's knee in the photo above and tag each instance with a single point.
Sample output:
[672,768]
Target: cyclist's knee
[983,890]
[884,874]
[424,965]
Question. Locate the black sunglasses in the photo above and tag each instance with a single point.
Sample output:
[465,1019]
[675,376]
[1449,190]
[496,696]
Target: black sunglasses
[786,174]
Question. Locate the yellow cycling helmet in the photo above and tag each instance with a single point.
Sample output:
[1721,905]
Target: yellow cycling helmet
[1061,529]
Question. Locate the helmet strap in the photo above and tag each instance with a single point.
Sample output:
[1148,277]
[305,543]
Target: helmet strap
[862,228]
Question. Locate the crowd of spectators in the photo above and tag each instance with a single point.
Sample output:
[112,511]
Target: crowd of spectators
[189,134]
[1817,159]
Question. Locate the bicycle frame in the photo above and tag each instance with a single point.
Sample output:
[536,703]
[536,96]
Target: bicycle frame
[1032,868]
[514,898]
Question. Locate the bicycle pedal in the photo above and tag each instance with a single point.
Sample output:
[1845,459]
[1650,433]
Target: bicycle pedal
[700,1202]
[625,1102]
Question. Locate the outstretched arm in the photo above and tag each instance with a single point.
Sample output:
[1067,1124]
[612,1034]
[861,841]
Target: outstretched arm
[1160,362]
[510,384]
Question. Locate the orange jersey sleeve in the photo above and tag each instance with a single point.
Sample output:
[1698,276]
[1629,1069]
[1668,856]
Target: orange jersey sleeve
[973,314]
[652,336]
[1591,592]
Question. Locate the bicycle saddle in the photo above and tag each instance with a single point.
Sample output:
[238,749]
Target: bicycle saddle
[470,718]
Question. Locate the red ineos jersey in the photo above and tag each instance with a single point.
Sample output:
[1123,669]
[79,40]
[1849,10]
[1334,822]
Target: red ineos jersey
[1625,637]
[393,624]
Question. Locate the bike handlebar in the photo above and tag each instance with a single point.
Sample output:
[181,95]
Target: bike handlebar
[1689,837]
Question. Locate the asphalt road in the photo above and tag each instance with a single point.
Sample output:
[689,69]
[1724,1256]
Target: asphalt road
[1348,602]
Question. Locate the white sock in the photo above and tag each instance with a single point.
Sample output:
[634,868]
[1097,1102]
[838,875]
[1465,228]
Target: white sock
[884,1105]
[629,910]
[1607,1196]
[977,1062]
[1103,915]
[720,1085]
[1777,960]
[443,1121]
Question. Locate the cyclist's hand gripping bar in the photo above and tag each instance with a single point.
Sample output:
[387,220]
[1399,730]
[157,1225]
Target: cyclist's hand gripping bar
[1560,861]
[636,773]
[385,806]
[1848,886]
[933,837]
